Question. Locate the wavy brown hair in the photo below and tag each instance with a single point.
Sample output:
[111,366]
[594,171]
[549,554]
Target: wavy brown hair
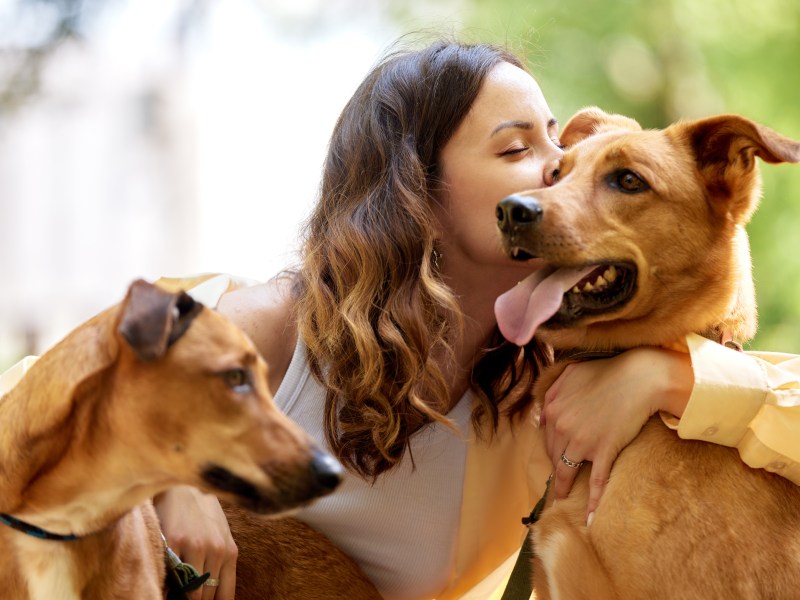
[371,309]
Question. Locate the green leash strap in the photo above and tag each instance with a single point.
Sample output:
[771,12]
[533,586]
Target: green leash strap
[182,578]
[520,583]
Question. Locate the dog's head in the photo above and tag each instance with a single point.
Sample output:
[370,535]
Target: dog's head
[643,233]
[154,392]
[196,388]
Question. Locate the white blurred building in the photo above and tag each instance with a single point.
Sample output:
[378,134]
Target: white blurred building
[174,138]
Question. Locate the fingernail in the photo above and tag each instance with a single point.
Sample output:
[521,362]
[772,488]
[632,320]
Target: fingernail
[589,519]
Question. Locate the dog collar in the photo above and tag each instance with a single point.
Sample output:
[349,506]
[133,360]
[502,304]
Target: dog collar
[35,531]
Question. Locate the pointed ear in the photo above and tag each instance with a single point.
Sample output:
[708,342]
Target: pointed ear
[725,148]
[592,120]
[153,319]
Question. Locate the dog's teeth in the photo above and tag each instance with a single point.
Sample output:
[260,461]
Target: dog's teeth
[514,252]
[611,274]
[600,282]
[575,290]
[588,287]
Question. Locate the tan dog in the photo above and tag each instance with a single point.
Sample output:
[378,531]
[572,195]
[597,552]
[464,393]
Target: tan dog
[154,392]
[651,225]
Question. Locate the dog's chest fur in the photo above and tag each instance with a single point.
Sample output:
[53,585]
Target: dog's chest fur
[47,567]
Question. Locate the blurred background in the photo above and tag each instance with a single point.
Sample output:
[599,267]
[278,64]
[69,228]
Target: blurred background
[140,139]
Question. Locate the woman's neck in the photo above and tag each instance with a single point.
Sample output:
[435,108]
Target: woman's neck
[479,326]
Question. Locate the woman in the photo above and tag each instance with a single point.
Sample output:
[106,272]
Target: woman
[385,346]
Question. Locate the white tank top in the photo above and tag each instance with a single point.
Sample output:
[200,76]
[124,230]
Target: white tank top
[403,529]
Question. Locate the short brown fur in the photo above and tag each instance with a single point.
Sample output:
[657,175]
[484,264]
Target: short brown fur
[285,558]
[679,518]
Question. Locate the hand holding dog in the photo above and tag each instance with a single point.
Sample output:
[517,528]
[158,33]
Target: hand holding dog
[596,408]
[197,531]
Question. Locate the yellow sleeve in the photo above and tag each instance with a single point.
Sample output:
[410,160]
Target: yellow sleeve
[746,400]
[207,288]
[11,376]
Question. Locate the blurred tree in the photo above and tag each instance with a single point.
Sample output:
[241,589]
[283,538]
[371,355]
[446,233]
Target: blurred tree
[662,60]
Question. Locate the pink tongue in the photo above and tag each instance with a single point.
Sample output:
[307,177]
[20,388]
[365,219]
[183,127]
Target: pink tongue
[532,301]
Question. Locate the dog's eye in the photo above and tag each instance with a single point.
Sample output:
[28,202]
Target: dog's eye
[237,379]
[628,182]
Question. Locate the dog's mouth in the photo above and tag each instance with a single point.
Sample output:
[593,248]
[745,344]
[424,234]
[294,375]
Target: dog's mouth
[289,491]
[606,288]
[556,297]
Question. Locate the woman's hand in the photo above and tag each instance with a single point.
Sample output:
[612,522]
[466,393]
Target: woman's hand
[197,530]
[594,409]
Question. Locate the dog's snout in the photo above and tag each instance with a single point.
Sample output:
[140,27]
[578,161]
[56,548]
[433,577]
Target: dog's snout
[517,211]
[326,469]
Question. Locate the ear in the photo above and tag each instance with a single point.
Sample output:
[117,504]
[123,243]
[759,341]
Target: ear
[590,121]
[153,319]
[725,148]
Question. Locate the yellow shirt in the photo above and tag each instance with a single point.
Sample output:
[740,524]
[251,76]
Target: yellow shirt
[746,400]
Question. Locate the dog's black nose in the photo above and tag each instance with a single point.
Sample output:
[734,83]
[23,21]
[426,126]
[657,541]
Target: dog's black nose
[516,211]
[326,469]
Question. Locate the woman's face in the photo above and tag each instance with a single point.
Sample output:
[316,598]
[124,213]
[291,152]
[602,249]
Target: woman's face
[507,143]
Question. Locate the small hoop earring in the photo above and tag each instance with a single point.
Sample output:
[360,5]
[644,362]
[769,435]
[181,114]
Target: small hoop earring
[436,257]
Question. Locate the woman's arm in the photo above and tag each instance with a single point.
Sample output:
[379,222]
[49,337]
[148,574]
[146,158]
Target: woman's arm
[750,401]
[265,313]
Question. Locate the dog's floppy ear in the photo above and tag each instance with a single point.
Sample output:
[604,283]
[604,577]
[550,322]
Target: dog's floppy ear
[725,148]
[152,318]
[592,120]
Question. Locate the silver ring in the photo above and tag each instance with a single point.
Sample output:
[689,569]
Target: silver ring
[570,463]
[211,582]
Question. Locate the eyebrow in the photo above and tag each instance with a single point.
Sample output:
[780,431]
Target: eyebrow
[521,125]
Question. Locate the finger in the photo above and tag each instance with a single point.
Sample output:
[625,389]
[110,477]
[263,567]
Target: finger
[209,592]
[552,391]
[196,559]
[552,442]
[552,437]
[601,469]
[227,581]
[565,477]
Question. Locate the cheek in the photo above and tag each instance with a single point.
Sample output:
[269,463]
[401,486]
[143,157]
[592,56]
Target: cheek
[469,209]
[475,196]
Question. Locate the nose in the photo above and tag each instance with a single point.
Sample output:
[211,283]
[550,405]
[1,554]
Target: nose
[551,175]
[327,471]
[553,169]
[514,212]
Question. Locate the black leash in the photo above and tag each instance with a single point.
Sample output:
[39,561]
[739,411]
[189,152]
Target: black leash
[35,531]
[520,582]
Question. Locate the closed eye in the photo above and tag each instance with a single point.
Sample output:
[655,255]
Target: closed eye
[515,150]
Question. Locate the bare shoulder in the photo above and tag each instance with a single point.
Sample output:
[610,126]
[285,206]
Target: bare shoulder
[265,313]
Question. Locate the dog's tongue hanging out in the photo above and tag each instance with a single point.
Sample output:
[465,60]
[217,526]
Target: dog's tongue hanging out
[532,301]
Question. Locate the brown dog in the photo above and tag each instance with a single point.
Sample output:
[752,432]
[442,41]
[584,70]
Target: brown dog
[651,223]
[285,558]
[154,392]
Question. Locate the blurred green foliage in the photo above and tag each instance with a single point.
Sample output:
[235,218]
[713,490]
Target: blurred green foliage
[661,60]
